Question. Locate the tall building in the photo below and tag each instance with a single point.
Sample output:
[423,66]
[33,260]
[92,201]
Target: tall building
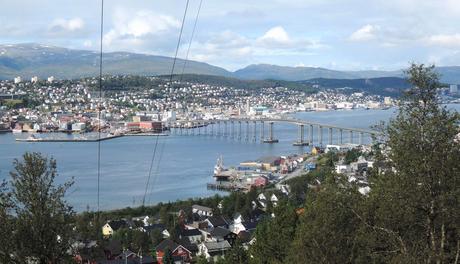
[453,89]
[387,100]
[17,80]
[51,79]
[34,79]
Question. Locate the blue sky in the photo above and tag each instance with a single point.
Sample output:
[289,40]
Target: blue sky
[344,35]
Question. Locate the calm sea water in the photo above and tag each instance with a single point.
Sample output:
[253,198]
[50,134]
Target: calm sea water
[186,163]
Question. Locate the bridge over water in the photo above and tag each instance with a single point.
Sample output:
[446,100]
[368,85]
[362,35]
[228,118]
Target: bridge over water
[256,130]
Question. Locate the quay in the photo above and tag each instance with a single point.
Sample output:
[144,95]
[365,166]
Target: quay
[225,187]
[33,139]
[145,134]
[65,139]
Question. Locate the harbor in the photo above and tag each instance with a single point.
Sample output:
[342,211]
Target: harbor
[123,166]
[261,172]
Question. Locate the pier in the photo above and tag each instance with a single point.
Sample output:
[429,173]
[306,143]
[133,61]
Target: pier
[76,140]
[225,187]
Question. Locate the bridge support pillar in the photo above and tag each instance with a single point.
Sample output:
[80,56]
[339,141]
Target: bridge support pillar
[351,136]
[247,130]
[232,132]
[225,129]
[270,138]
[330,136]
[254,137]
[262,131]
[300,141]
[320,134]
[341,137]
[361,138]
[311,135]
[218,129]
[239,130]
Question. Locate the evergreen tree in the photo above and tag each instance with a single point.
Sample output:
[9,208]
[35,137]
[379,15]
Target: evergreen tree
[43,228]
[237,254]
[274,236]
[6,227]
[328,230]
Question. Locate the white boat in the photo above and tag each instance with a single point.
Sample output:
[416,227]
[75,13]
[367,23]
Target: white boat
[17,131]
[219,167]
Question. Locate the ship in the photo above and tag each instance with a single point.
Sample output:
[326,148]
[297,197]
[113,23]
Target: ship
[220,172]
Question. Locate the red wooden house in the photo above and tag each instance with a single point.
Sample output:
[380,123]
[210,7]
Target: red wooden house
[177,251]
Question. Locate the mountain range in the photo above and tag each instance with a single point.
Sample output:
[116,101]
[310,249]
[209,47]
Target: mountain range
[32,59]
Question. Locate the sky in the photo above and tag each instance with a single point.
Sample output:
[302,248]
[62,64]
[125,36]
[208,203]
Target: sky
[335,34]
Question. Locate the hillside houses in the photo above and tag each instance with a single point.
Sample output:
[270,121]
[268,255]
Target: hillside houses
[198,232]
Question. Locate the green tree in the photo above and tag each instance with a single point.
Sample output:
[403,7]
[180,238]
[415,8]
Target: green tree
[417,192]
[6,227]
[352,156]
[328,230]
[141,241]
[156,236]
[274,236]
[43,218]
[237,254]
[202,260]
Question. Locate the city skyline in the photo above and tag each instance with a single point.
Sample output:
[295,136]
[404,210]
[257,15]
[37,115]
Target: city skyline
[355,35]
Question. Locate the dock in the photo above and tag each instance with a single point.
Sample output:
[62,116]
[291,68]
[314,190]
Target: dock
[89,139]
[65,139]
[145,134]
[225,187]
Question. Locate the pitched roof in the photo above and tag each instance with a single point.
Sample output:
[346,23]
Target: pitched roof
[217,221]
[201,208]
[217,246]
[185,242]
[250,225]
[189,232]
[169,244]
[117,224]
[220,232]
[150,228]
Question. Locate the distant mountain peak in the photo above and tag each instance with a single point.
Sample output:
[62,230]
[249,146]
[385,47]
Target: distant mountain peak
[35,59]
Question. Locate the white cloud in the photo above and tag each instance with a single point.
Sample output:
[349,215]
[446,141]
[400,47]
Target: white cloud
[67,25]
[365,33]
[236,49]
[444,40]
[138,28]
[275,35]
[276,39]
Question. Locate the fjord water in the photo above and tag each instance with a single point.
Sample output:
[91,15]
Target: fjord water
[186,163]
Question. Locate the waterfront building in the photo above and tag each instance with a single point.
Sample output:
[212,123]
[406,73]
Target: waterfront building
[34,79]
[78,127]
[387,101]
[201,210]
[17,80]
[453,89]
